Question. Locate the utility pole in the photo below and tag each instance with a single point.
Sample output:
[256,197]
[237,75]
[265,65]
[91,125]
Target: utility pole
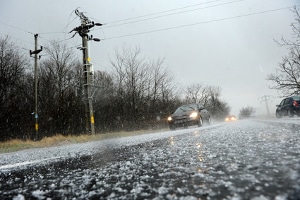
[266,99]
[83,31]
[36,52]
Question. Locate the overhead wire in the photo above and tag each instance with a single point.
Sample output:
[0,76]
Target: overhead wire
[20,29]
[70,21]
[23,30]
[47,33]
[31,43]
[20,46]
[39,34]
[198,23]
[160,15]
[157,30]
[165,11]
[170,14]
[62,32]
[16,38]
[15,27]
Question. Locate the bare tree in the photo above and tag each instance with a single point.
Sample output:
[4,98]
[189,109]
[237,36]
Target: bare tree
[287,75]
[103,87]
[209,96]
[104,99]
[143,88]
[161,92]
[217,107]
[246,112]
[197,93]
[57,90]
[14,113]
[130,72]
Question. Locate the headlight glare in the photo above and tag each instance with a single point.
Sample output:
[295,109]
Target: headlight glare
[169,118]
[193,115]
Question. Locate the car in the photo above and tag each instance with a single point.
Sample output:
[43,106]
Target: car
[230,118]
[189,115]
[288,107]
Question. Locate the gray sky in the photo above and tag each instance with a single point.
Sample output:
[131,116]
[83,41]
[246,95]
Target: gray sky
[226,43]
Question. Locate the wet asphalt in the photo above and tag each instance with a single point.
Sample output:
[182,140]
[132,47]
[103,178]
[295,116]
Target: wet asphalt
[248,159]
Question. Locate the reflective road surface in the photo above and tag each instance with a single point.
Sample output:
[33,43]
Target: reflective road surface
[247,159]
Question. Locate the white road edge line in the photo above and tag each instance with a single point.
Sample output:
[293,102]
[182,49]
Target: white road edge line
[26,163]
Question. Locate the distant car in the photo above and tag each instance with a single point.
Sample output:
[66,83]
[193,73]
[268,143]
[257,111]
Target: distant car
[189,115]
[288,107]
[230,118]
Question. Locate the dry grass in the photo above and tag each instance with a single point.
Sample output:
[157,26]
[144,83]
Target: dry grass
[57,140]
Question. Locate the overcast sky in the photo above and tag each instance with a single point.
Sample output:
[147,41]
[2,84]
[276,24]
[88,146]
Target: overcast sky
[226,43]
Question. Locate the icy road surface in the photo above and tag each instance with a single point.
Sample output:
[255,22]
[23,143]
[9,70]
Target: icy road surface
[249,159]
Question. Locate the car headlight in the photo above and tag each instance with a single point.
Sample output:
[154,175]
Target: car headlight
[194,115]
[169,118]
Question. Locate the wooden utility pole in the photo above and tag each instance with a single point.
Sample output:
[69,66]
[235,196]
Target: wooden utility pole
[36,116]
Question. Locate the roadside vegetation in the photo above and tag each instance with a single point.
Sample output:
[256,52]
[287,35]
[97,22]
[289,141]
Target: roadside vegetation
[57,140]
[137,93]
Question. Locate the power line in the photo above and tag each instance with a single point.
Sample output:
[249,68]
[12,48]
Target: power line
[15,27]
[158,30]
[23,30]
[170,14]
[70,21]
[69,38]
[165,11]
[47,33]
[23,48]
[199,23]
[10,36]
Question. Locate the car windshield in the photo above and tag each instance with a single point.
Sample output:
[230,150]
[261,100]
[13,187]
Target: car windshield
[186,108]
[297,98]
[90,91]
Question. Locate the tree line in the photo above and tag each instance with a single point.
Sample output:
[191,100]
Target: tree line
[136,93]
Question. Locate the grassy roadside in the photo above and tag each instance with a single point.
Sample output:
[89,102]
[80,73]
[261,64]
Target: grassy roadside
[58,140]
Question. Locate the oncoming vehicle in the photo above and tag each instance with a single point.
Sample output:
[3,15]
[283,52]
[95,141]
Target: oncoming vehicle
[288,107]
[189,115]
[230,118]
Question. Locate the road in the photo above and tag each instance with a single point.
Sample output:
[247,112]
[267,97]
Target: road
[248,159]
